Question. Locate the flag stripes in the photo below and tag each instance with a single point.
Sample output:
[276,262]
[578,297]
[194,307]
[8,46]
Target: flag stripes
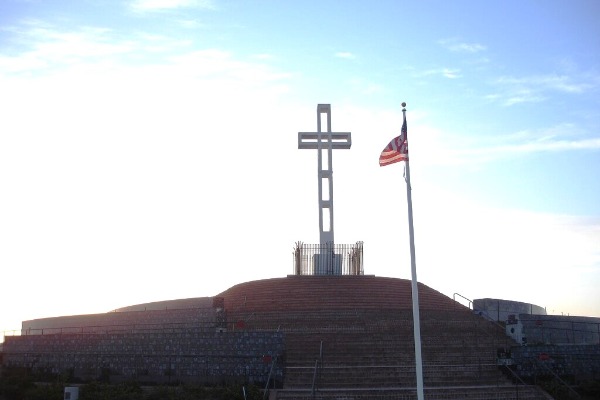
[396,150]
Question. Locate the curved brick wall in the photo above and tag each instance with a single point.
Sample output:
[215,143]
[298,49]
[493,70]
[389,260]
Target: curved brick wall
[292,293]
[305,293]
[195,302]
[125,320]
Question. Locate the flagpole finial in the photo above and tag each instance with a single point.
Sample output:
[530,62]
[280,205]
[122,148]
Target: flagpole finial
[403,104]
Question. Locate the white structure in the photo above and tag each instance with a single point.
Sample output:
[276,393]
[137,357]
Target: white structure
[325,142]
[503,310]
[71,393]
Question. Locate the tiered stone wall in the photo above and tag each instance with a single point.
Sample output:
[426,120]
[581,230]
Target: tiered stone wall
[184,355]
[578,361]
[558,329]
[177,340]
[128,320]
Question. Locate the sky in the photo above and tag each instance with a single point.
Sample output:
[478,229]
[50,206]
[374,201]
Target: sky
[148,148]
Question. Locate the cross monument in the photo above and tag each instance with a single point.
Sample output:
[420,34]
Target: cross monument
[325,142]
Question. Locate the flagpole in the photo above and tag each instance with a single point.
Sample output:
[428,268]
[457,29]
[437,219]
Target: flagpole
[414,286]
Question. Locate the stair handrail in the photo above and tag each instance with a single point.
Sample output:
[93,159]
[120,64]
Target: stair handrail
[460,295]
[514,374]
[273,362]
[558,378]
[318,361]
[471,307]
[480,312]
[321,352]
[244,319]
[314,380]
[508,341]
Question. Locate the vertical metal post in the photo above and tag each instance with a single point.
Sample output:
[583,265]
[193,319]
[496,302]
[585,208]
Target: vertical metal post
[414,283]
[415,292]
[498,311]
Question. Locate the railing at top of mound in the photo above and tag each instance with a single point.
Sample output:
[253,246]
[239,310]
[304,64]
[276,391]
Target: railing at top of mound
[7,332]
[328,259]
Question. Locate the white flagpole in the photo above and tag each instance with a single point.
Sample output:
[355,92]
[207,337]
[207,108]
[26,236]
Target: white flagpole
[414,286]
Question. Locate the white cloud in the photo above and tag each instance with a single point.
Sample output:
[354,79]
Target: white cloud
[494,153]
[445,148]
[345,54]
[161,5]
[539,88]
[263,56]
[217,64]
[45,48]
[191,24]
[449,73]
[559,83]
[523,96]
[462,47]
[373,88]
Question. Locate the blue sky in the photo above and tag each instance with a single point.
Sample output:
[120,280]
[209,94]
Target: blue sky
[148,149]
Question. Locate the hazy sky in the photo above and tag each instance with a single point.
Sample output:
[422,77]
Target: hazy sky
[148,149]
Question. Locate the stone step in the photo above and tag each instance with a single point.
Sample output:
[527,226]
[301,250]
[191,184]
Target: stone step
[490,392]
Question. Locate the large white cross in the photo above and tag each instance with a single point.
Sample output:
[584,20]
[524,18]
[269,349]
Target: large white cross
[325,142]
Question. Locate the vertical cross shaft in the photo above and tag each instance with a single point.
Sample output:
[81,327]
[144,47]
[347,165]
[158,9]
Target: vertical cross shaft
[325,142]
[325,203]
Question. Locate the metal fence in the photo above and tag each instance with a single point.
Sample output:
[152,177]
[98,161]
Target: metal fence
[328,259]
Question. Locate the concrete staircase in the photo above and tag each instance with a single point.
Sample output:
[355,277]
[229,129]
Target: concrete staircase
[439,393]
[358,332]
[380,361]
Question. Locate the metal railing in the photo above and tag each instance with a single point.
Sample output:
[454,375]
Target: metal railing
[269,377]
[481,313]
[9,332]
[318,363]
[328,259]
[470,302]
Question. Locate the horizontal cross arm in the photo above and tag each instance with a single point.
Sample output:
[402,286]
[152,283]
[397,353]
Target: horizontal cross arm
[310,140]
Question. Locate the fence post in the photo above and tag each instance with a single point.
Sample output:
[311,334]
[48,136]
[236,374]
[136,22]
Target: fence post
[498,313]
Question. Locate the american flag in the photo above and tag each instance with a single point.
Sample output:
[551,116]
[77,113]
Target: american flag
[396,150]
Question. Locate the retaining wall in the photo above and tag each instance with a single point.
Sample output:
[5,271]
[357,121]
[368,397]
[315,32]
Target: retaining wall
[554,329]
[577,361]
[185,356]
